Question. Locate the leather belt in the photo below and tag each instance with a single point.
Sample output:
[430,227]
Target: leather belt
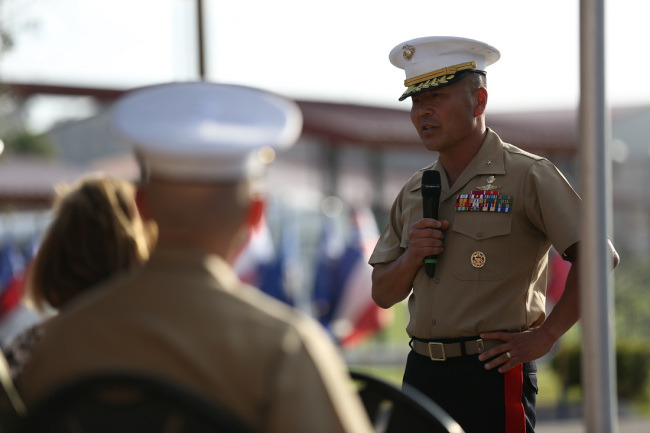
[441,351]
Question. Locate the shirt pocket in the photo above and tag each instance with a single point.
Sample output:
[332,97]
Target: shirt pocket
[484,236]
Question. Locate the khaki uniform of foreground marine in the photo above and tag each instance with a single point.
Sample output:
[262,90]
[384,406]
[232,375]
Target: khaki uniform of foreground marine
[186,316]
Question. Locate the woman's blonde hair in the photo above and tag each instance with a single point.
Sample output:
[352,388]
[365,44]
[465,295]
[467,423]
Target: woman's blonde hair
[96,232]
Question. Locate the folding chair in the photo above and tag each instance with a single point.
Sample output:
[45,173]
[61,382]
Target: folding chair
[127,403]
[12,408]
[394,410]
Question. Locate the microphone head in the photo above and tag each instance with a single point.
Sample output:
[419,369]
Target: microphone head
[431,182]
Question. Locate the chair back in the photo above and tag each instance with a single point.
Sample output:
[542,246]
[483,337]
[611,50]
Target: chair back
[394,410]
[12,407]
[128,403]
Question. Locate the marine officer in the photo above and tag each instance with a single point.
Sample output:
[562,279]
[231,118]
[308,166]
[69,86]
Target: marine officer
[478,324]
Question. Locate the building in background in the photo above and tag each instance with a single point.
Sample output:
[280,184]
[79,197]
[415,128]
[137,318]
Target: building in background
[353,155]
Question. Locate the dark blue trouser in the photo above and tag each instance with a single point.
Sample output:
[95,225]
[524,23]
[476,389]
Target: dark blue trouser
[480,400]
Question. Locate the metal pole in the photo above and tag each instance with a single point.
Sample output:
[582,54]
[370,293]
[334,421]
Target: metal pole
[331,168]
[598,361]
[200,38]
[376,158]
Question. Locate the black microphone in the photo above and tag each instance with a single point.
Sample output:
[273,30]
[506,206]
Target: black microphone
[430,197]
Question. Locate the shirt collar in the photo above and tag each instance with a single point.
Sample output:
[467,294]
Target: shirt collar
[488,161]
[194,260]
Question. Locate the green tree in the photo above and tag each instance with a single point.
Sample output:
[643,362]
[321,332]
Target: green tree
[632,297]
[14,17]
[24,143]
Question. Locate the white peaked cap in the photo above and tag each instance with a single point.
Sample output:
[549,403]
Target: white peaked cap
[204,131]
[436,61]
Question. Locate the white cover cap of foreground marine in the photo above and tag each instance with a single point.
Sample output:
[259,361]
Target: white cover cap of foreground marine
[204,131]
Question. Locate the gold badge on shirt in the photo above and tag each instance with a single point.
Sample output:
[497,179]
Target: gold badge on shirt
[478,259]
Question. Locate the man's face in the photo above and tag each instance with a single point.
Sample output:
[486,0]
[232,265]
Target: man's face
[444,117]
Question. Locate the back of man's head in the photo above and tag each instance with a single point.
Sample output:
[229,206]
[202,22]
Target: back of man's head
[201,147]
[209,216]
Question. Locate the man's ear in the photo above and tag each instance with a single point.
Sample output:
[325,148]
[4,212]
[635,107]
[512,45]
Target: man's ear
[255,212]
[481,101]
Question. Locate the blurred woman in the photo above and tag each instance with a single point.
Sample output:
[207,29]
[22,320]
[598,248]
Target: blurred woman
[97,233]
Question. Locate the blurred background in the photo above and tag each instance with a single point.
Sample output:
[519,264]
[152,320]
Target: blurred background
[64,62]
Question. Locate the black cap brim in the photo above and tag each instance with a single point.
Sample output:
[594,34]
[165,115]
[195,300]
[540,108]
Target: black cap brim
[436,83]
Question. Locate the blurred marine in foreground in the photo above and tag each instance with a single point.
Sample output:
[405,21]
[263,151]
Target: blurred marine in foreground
[186,316]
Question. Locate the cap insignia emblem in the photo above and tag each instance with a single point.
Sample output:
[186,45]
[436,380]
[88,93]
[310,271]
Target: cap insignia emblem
[478,259]
[489,187]
[408,51]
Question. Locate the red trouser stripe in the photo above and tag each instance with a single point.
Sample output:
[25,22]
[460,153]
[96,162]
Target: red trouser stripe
[514,388]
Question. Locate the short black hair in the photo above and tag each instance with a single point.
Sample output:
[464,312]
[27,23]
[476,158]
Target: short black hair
[478,79]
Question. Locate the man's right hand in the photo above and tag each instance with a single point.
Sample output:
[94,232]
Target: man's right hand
[392,282]
[426,239]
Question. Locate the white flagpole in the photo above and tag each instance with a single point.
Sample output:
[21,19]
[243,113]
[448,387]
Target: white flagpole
[598,361]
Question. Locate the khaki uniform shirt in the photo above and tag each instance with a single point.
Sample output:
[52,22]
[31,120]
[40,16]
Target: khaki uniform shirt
[185,316]
[492,273]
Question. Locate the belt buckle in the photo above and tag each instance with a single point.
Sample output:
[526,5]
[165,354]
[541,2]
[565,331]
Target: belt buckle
[442,351]
[480,346]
